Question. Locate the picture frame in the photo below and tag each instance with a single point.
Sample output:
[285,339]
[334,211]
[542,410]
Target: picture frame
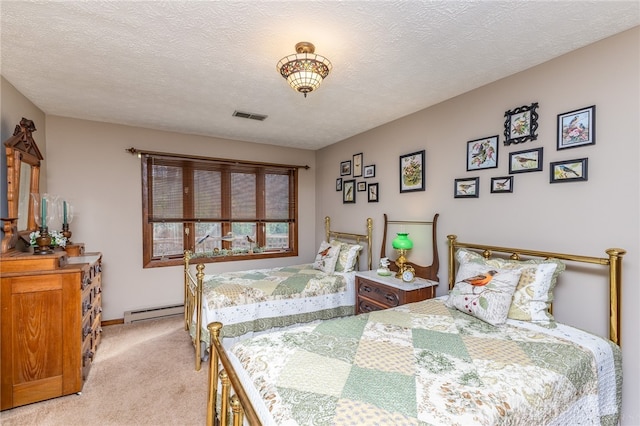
[482,153]
[529,160]
[369,171]
[466,187]
[362,186]
[569,170]
[521,124]
[412,172]
[373,193]
[577,128]
[349,191]
[339,184]
[345,168]
[357,165]
[501,184]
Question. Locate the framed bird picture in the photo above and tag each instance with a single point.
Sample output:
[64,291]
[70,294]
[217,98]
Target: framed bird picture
[521,124]
[525,161]
[349,191]
[501,184]
[577,128]
[466,188]
[569,170]
[482,153]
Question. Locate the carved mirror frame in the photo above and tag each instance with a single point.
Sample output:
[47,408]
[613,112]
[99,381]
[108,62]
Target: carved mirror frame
[23,178]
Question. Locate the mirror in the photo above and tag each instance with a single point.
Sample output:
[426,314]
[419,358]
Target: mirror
[23,178]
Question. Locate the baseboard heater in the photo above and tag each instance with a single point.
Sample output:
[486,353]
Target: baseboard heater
[152,313]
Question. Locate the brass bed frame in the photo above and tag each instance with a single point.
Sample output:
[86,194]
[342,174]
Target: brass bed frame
[239,406]
[193,285]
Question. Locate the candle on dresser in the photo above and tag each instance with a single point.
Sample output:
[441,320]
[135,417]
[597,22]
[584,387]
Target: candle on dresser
[64,215]
[43,203]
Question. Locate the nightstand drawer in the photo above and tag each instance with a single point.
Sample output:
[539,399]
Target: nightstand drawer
[388,297]
[375,292]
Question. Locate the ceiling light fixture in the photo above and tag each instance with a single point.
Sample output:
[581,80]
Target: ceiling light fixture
[305,70]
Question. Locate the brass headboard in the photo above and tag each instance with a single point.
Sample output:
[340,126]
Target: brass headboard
[613,262]
[358,238]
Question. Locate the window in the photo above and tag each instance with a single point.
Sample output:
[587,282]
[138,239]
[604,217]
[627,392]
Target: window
[227,210]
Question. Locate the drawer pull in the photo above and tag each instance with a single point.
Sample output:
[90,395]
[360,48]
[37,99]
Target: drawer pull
[365,289]
[86,305]
[85,332]
[392,298]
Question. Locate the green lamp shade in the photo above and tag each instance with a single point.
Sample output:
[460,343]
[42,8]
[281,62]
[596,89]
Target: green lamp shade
[402,242]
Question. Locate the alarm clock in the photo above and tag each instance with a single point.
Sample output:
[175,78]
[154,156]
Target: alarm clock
[408,275]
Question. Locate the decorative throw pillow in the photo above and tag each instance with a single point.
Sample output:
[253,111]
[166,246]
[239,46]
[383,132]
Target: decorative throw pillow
[347,257]
[534,293]
[484,292]
[327,257]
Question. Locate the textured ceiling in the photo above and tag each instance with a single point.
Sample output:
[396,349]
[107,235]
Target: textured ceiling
[185,66]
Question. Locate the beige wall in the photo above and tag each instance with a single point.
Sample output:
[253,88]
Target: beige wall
[89,165]
[577,217]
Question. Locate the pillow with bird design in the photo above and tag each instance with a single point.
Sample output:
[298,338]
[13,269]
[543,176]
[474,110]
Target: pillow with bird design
[326,257]
[534,293]
[347,257]
[483,292]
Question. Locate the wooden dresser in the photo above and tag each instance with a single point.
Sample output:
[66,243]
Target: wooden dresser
[375,292]
[50,322]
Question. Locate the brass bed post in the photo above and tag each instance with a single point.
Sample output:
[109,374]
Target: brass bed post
[187,256]
[369,242]
[198,307]
[327,228]
[615,292]
[214,331]
[451,260]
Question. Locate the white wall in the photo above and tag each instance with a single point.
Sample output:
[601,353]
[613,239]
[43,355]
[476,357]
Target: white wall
[578,217]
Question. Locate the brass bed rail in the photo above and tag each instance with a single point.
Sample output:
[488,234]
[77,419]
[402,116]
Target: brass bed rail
[613,262]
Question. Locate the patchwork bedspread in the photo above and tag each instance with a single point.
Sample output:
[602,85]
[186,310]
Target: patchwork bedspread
[257,300]
[424,363]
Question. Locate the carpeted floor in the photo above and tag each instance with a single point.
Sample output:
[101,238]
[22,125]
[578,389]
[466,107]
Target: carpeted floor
[143,374]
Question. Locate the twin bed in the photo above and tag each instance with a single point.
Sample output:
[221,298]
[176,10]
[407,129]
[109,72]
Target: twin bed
[255,301]
[488,353]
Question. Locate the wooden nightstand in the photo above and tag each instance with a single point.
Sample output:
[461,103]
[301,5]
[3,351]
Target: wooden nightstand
[375,292]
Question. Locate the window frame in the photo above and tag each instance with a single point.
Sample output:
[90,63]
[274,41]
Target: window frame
[226,166]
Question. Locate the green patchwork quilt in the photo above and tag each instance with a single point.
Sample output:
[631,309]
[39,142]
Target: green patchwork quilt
[257,300]
[426,364]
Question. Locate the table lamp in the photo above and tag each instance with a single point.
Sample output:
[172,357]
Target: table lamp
[402,243]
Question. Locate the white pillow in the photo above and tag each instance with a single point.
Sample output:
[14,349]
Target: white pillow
[490,301]
[534,293]
[347,257]
[327,257]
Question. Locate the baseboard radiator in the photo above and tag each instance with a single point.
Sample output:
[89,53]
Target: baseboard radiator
[152,313]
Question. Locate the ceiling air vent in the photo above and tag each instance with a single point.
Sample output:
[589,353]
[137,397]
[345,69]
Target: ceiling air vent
[249,115]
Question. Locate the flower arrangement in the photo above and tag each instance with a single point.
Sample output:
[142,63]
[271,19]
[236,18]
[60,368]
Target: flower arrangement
[57,239]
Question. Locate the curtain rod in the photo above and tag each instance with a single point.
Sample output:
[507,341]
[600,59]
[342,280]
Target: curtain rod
[139,152]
